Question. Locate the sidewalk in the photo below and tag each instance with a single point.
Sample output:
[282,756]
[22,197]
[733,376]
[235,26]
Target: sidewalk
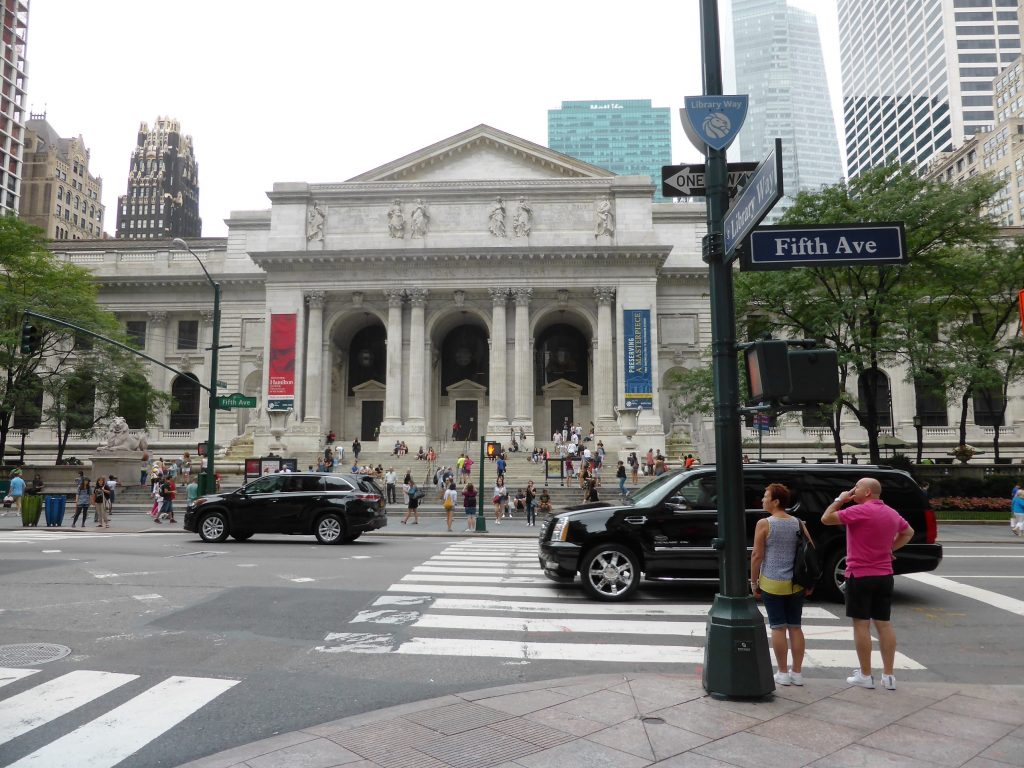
[130,518]
[667,720]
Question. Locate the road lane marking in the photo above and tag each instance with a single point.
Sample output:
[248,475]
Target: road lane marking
[110,739]
[973,576]
[10,675]
[994,599]
[53,699]
[981,557]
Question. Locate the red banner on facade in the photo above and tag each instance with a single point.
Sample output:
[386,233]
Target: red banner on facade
[281,382]
[1020,302]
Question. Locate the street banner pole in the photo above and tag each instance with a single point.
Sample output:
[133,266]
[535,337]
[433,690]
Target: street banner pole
[736,659]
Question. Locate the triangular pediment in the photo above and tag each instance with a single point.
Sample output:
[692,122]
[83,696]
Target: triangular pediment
[466,388]
[371,387]
[484,154]
[561,386]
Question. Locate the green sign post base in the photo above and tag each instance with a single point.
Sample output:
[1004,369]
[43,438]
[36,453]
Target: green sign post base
[736,637]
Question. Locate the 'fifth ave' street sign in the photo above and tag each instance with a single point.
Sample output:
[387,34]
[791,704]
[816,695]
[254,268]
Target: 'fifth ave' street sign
[837,245]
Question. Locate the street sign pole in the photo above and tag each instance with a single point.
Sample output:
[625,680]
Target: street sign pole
[736,659]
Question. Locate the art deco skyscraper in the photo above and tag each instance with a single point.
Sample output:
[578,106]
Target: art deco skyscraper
[917,76]
[163,186]
[12,103]
[779,63]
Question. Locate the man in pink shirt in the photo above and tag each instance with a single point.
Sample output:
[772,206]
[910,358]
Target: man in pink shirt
[874,531]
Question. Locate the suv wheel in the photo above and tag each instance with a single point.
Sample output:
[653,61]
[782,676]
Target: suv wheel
[833,575]
[213,528]
[330,529]
[610,572]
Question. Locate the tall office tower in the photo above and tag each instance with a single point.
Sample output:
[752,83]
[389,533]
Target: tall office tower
[630,137]
[917,75]
[779,63]
[58,194]
[163,186]
[12,103]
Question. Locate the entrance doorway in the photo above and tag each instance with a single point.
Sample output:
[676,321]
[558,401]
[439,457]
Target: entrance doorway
[466,415]
[561,413]
[373,415]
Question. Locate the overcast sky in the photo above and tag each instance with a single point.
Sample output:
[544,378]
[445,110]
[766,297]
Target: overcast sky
[320,91]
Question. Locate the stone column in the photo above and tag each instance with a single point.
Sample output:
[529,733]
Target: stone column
[156,346]
[497,423]
[417,381]
[523,413]
[604,369]
[314,356]
[393,396]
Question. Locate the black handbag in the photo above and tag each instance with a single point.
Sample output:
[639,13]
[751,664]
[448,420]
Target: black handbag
[806,568]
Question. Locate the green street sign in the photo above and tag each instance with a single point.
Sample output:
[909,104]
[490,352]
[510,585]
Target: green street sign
[237,400]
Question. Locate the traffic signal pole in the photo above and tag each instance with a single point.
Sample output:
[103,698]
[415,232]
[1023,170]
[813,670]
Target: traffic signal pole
[736,659]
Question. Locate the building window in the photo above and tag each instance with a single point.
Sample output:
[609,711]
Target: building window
[989,406]
[188,334]
[136,331]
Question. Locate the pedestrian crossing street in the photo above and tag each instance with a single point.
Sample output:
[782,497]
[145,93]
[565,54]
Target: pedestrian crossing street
[104,741]
[488,598]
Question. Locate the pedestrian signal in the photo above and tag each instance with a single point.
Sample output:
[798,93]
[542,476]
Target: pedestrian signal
[493,450]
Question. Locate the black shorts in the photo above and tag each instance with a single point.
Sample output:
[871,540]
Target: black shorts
[869,597]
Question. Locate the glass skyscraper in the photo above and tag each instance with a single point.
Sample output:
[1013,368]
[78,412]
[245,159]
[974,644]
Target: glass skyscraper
[629,137]
[779,63]
[917,74]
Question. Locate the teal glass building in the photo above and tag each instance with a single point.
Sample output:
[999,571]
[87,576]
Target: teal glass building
[629,137]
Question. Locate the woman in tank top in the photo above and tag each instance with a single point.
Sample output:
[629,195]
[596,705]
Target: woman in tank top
[771,578]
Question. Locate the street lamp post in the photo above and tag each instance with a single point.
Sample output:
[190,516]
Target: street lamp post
[917,428]
[209,485]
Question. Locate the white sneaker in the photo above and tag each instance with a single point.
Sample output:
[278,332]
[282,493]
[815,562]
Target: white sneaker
[889,682]
[782,678]
[864,681]
[796,678]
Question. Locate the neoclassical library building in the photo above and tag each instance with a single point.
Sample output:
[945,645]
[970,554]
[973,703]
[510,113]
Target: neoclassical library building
[484,283]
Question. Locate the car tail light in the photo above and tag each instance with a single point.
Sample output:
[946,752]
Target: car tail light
[931,528]
[371,498]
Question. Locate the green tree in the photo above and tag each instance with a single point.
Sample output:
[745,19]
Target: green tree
[867,312]
[59,365]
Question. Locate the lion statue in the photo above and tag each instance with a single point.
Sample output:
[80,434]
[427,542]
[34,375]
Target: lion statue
[119,438]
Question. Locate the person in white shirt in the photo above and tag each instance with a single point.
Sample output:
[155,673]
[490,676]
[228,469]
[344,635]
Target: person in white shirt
[390,480]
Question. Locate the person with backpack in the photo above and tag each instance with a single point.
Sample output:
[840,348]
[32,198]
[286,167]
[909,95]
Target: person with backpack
[776,538]
[450,497]
[82,501]
[414,494]
[99,500]
[168,492]
[469,506]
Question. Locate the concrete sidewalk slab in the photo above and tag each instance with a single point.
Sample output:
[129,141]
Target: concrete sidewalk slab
[665,721]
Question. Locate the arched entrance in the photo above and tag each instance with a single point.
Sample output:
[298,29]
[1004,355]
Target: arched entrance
[462,375]
[562,373]
[358,377]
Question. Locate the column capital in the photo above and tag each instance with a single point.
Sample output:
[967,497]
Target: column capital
[157,318]
[394,296]
[522,296]
[417,296]
[499,296]
[604,295]
[315,299]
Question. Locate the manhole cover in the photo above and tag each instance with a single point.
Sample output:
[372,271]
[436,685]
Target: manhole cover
[31,653]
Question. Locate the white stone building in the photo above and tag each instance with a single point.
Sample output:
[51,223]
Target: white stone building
[484,280]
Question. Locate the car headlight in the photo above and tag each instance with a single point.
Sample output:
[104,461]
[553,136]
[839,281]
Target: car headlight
[198,502]
[561,529]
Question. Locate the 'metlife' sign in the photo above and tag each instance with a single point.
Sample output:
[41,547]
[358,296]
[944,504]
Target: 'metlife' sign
[838,245]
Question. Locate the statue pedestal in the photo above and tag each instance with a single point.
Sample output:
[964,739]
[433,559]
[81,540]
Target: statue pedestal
[124,465]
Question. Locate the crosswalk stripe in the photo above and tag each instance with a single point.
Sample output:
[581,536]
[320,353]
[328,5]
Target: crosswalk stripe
[53,699]
[351,642]
[474,569]
[643,608]
[10,675]
[479,559]
[471,589]
[583,626]
[437,577]
[109,739]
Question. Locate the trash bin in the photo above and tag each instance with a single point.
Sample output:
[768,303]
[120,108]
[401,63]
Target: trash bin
[31,507]
[54,510]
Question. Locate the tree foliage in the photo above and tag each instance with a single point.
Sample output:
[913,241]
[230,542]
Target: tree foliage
[877,316]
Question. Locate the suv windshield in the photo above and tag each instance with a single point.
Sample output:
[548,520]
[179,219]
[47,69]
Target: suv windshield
[654,488]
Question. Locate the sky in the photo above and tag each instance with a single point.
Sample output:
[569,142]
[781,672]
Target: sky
[321,90]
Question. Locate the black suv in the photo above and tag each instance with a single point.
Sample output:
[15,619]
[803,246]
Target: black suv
[334,508]
[667,528]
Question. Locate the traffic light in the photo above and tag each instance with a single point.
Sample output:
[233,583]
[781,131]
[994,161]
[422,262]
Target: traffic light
[29,338]
[791,375]
[768,370]
[493,450]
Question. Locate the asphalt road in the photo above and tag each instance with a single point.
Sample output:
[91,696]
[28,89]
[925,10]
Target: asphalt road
[279,633]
